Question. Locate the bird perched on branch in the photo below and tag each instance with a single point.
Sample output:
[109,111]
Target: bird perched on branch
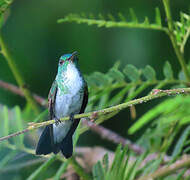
[68,96]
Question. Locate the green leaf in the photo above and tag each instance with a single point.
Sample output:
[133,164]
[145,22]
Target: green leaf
[146,21]
[182,29]
[7,158]
[98,79]
[149,73]
[154,112]
[111,17]
[133,15]
[103,100]
[19,140]
[105,162]
[119,96]
[181,174]
[168,72]
[98,171]
[101,16]
[134,167]
[181,76]
[122,18]
[116,158]
[4,5]
[158,17]
[61,170]
[42,168]
[5,121]
[122,163]
[181,142]
[126,164]
[152,166]
[116,75]
[132,72]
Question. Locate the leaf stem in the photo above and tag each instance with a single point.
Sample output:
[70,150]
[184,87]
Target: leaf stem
[42,168]
[157,93]
[166,170]
[17,75]
[173,39]
[79,170]
[109,23]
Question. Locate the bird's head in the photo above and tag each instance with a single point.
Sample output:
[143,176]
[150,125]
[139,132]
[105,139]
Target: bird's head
[68,58]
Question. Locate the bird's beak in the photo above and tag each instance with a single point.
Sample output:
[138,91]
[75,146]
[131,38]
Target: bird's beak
[73,55]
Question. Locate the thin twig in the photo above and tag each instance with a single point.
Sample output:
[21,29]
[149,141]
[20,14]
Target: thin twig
[166,170]
[40,100]
[170,32]
[155,94]
[185,40]
[116,138]
[22,165]
[112,136]
[16,90]
[14,134]
[109,23]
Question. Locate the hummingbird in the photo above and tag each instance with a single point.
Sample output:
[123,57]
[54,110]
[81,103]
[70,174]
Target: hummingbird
[68,96]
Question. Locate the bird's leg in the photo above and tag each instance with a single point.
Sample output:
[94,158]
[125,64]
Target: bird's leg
[71,117]
[57,121]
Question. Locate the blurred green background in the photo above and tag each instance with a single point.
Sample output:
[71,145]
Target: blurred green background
[36,42]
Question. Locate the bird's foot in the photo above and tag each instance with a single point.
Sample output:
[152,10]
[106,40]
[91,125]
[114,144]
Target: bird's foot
[57,121]
[71,118]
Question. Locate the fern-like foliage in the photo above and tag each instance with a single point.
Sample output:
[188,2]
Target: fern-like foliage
[4,4]
[126,167]
[110,20]
[122,167]
[120,85]
[13,152]
[182,30]
[168,119]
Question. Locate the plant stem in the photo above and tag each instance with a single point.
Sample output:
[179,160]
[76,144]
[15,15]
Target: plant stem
[157,93]
[173,39]
[166,170]
[17,75]
[109,23]
[42,168]
[79,170]
[160,83]
[16,90]
[113,137]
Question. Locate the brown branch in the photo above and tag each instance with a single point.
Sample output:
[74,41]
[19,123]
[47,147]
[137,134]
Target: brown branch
[168,169]
[103,132]
[16,90]
[14,134]
[112,136]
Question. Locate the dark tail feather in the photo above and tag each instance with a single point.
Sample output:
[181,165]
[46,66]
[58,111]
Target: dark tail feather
[45,144]
[66,146]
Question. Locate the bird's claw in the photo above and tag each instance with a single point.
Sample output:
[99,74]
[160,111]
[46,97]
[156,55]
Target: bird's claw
[57,121]
[71,117]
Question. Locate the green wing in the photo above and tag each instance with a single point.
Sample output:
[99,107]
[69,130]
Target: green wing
[85,99]
[51,99]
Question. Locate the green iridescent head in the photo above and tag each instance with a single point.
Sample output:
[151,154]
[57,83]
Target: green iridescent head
[68,58]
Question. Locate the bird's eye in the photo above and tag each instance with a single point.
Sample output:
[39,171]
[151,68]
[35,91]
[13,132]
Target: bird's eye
[61,62]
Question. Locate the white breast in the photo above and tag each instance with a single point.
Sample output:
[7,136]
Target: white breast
[69,102]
